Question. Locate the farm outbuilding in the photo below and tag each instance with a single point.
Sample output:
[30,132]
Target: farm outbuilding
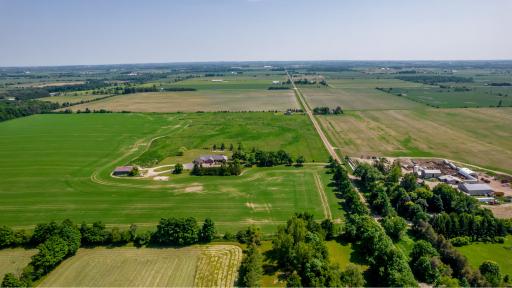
[478,189]
[430,173]
[449,179]
[486,200]
[123,170]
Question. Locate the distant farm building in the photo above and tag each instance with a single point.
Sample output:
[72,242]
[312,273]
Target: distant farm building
[123,171]
[486,200]
[430,173]
[449,179]
[478,189]
[276,82]
[211,159]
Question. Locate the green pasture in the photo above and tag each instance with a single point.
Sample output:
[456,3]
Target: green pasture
[265,131]
[58,166]
[478,96]
[477,253]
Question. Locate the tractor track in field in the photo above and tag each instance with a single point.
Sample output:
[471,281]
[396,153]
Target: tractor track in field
[323,197]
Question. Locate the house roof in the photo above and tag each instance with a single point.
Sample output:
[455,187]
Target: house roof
[124,169]
[476,187]
[466,170]
[432,171]
[449,177]
[212,157]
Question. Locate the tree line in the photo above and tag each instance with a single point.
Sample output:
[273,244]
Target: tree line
[434,79]
[434,260]
[300,252]
[327,111]
[388,264]
[262,158]
[232,168]
[15,109]
[451,212]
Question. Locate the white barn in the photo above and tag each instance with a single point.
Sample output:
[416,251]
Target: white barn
[478,189]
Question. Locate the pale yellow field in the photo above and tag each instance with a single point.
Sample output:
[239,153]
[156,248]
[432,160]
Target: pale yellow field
[205,266]
[14,260]
[477,136]
[71,99]
[193,101]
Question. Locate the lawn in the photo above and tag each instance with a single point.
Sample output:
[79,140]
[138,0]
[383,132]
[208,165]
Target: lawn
[359,94]
[203,266]
[477,253]
[58,166]
[475,136]
[194,101]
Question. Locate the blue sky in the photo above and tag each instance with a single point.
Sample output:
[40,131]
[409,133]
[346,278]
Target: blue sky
[64,32]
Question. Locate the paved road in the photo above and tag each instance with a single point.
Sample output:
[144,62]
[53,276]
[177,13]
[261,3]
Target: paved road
[308,111]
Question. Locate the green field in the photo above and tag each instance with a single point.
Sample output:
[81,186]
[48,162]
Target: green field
[199,266]
[477,253]
[260,81]
[476,136]
[267,131]
[479,96]
[58,166]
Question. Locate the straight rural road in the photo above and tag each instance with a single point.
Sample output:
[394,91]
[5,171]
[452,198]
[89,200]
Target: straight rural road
[319,130]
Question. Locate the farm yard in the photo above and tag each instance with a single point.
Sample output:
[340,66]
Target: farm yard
[476,136]
[204,266]
[194,101]
[64,172]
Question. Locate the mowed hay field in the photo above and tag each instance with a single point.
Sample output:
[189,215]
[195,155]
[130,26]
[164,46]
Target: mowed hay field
[14,260]
[58,166]
[199,266]
[359,94]
[194,101]
[477,136]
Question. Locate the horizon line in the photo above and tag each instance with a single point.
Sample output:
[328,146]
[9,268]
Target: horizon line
[256,61]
